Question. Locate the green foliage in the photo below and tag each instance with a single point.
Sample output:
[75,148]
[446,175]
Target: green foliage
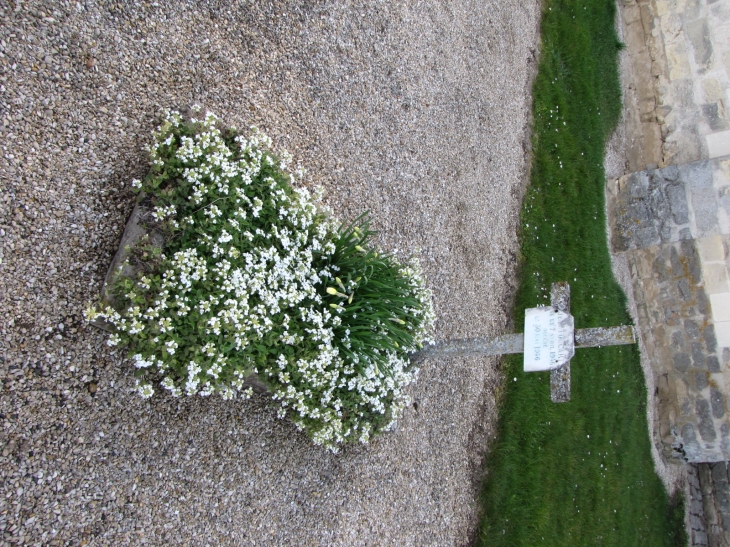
[577,473]
[255,278]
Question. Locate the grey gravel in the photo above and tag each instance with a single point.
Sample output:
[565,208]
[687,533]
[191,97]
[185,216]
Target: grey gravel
[416,111]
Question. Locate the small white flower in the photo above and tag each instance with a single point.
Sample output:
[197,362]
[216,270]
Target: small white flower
[145,390]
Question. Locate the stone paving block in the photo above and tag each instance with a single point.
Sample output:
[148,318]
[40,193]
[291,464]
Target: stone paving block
[677,60]
[719,472]
[699,359]
[717,402]
[671,315]
[688,433]
[720,305]
[723,200]
[713,115]
[695,506]
[717,380]
[671,26]
[708,334]
[698,33]
[678,342]
[692,260]
[644,259]
[718,144]
[711,249]
[681,362]
[700,380]
[683,96]
[705,208]
[646,235]
[699,538]
[703,303]
[721,171]
[677,198]
[706,425]
[722,499]
[691,9]
[664,7]
[711,90]
[659,269]
[639,184]
[631,15]
[685,292]
[692,329]
[676,262]
[722,332]
[658,204]
[723,217]
[670,172]
[680,388]
[716,278]
[698,174]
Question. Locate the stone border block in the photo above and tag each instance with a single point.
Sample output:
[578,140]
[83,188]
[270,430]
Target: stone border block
[720,305]
[711,249]
[722,333]
[718,144]
[716,278]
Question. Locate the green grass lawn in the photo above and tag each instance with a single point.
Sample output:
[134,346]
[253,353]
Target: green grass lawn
[577,473]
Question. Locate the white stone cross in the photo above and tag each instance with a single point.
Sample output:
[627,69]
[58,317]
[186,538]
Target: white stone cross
[549,342]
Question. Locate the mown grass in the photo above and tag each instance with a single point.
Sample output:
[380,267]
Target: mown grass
[578,473]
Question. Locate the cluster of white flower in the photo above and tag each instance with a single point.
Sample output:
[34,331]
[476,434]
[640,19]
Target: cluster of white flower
[162,212]
[245,280]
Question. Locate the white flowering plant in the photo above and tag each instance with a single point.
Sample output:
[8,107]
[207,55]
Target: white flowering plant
[256,278]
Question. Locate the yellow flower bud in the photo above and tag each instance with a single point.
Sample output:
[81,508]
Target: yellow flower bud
[358,248]
[331,290]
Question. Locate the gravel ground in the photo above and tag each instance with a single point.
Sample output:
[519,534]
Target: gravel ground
[415,111]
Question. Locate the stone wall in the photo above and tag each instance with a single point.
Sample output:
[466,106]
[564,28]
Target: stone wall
[679,202]
[671,219]
[673,225]
[680,57]
[697,529]
[709,504]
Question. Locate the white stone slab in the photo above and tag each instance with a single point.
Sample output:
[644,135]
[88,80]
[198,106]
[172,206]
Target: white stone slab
[720,304]
[722,333]
[718,144]
[716,278]
[549,339]
[711,249]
